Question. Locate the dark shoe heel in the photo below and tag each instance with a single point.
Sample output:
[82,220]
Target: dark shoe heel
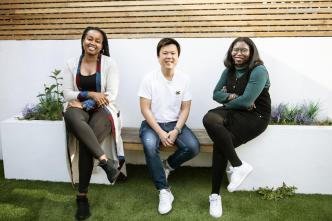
[111,171]
[83,208]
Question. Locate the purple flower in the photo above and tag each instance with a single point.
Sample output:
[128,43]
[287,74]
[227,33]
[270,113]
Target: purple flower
[277,113]
[285,114]
[29,110]
[303,116]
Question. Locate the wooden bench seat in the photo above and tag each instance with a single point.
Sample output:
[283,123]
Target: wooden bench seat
[132,141]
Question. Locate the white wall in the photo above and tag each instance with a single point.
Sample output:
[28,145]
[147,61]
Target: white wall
[299,68]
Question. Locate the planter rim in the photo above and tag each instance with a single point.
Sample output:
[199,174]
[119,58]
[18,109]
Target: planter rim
[15,120]
[302,126]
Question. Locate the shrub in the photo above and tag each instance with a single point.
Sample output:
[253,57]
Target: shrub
[276,194]
[50,104]
[304,114]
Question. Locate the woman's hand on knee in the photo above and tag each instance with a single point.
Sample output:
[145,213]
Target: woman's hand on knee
[75,103]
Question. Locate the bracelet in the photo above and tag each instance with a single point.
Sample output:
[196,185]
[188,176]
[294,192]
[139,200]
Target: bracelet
[178,130]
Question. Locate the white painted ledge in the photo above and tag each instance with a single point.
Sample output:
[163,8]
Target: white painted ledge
[296,155]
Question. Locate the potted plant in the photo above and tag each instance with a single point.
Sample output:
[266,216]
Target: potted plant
[34,145]
[50,104]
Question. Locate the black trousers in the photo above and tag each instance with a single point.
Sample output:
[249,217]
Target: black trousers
[90,129]
[229,129]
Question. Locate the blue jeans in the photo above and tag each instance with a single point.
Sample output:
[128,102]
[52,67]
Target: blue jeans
[187,148]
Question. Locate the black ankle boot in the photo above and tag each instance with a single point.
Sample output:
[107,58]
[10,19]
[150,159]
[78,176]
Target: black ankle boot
[111,171]
[83,208]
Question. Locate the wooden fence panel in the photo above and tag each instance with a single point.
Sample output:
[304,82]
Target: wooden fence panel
[66,19]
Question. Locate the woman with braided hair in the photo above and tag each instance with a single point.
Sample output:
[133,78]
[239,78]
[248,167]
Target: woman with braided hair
[90,89]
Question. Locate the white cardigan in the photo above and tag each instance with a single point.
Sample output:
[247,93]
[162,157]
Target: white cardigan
[109,85]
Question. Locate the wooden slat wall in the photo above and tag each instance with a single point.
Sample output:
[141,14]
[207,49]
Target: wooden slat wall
[66,19]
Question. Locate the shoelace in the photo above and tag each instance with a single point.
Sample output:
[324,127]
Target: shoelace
[214,201]
[164,198]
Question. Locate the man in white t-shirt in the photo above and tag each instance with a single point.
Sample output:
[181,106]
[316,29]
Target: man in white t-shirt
[165,101]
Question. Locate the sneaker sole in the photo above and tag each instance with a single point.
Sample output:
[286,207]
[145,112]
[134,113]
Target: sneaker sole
[216,216]
[244,177]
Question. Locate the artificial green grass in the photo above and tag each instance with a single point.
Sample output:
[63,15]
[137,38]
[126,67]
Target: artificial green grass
[136,199]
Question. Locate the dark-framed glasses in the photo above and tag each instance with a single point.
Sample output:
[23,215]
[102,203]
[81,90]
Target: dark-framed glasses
[240,50]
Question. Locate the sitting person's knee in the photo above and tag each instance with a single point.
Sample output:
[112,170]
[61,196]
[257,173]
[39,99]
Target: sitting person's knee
[195,149]
[150,145]
[69,114]
[192,147]
[207,119]
[211,119]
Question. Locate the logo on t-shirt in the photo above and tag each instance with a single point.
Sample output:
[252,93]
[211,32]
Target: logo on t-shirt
[178,92]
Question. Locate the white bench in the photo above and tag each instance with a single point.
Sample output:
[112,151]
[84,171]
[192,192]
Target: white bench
[296,155]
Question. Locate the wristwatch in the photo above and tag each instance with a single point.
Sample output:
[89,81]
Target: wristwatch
[178,129]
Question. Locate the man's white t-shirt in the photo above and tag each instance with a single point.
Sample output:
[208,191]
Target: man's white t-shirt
[166,96]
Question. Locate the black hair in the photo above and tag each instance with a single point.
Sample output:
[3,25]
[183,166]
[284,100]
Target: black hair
[168,41]
[254,59]
[105,49]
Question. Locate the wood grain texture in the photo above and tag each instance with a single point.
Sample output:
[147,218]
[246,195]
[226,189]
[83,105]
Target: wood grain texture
[66,19]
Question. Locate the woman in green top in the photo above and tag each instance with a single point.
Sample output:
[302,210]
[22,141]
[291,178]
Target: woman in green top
[245,112]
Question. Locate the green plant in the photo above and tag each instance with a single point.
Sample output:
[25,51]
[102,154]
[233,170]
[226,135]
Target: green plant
[276,194]
[304,114]
[312,110]
[50,104]
[326,122]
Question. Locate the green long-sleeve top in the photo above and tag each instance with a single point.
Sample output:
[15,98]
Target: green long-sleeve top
[258,80]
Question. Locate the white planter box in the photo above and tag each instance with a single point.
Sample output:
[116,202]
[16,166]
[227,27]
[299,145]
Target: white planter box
[36,150]
[297,155]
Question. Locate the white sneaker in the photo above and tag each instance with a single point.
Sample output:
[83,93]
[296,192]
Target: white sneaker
[237,175]
[215,205]
[165,201]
